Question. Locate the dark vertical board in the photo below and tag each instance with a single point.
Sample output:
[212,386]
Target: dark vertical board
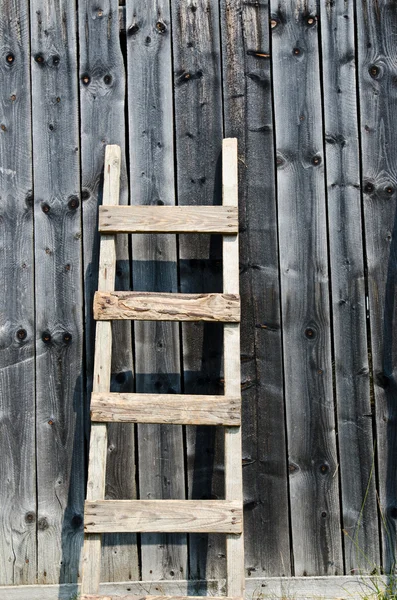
[314,494]
[102,89]
[17,379]
[58,290]
[348,289]
[377,28]
[198,125]
[248,116]
[150,114]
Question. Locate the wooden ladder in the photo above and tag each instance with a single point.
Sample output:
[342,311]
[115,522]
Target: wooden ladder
[168,516]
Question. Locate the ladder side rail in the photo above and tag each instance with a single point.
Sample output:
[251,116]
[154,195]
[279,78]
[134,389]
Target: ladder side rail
[232,377]
[102,372]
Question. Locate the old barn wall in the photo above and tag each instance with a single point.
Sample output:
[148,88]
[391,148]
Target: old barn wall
[309,90]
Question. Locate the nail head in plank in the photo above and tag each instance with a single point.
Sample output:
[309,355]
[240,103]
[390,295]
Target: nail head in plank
[163,516]
[180,409]
[168,219]
[147,306]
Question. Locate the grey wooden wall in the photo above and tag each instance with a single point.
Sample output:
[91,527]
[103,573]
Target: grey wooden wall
[310,90]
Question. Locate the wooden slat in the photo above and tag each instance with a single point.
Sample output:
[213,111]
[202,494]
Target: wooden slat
[198,134]
[310,409]
[132,597]
[248,116]
[147,306]
[356,447]
[167,516]
[161,468]
[377,64]
[102,121]
[168,219]
[232,367]
[58,275]
[101,380]
[18,544]
[166,408]
[297,588]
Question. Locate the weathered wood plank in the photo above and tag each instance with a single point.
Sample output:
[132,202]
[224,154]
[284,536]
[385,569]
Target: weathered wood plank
[376,25]
[157,352]
[102,372]
[314,490]
[167,516]
[198,134]
[17,377]
[131,597]
[232,372]
[356,448]
[248,116]
[179,409]
[168,219]
[58,274]
[160,306]
[102,101]
[299,588]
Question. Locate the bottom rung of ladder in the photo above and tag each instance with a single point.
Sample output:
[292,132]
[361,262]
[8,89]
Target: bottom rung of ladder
[107,597]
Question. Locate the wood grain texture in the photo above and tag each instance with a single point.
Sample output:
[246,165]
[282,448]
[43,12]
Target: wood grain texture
[160,306]
[58,273]
[17,376]
[198,135]
[377,62]
[168,219]
[166,516]
[313,481]
[131,597]
[180,409]
[102,373]
[356,446]
[248,116]
[157,349]
[235,573]
[102,101]
[299,588]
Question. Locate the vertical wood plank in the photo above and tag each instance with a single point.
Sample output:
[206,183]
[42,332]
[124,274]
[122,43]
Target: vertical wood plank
[248,116]
[377,26]
[102,93]
[17,377]
[58,290]
[231,344]
[150,114]
[356,448]
[198,134]
[314,493]
[102,374]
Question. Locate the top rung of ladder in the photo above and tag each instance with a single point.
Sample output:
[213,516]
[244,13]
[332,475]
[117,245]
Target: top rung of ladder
[168,219]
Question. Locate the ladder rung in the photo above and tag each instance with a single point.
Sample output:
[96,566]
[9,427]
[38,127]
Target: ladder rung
[179,409]
[147,306]
[163,516]
[135,597]
[168,219]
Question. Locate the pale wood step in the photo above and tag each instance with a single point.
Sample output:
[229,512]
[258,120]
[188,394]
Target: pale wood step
[179,409]
[168,219]
[148,306]
[163,516]
[131,597]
